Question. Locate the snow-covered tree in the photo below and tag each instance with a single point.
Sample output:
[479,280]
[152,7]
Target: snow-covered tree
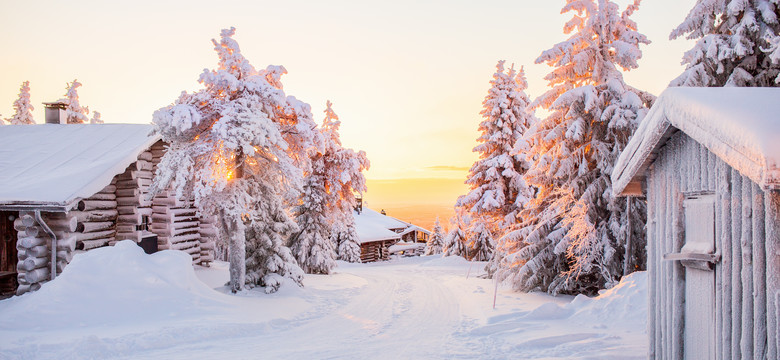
[480,241]
[497,188]
[455,241]
[95,118]
[76,114]
[436,242]
[348,248]
[571,235]
[328,198]
[238,146]
[268,261]
[736,43]
[22,107]
[312,245]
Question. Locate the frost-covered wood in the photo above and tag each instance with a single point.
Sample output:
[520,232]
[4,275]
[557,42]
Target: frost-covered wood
[34,248]
[744,282]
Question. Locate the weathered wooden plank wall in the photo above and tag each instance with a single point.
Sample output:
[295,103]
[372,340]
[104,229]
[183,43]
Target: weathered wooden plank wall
[747,280]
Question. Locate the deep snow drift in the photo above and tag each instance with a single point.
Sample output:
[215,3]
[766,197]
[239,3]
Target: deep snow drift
[117,302]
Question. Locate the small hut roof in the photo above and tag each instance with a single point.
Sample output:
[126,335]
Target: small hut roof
[739,125]
[53,166]
[373,226]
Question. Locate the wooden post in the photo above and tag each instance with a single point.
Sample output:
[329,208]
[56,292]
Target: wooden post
[627,264]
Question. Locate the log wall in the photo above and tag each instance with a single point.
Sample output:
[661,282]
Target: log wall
[118,212]
[747,279]
[375,250]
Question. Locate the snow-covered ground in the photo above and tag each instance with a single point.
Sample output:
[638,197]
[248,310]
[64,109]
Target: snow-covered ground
[117,302]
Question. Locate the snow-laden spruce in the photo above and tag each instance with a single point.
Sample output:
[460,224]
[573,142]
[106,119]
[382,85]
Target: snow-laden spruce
[75,113]
[737,44]
[571,235]
[497,188]
[436,242]
[328,199]
[237,147]
[455,241]
[348,246]
[22,107]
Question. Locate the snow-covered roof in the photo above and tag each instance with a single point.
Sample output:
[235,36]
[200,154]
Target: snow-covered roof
[739,125]
[414,228]
[388,222]
[53,166]
[372,226]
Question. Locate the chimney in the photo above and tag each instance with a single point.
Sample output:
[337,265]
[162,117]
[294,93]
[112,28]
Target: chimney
[55,112]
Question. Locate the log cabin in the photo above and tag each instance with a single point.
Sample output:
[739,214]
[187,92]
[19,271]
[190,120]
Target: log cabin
[707,160]
[378,232]
[70,188]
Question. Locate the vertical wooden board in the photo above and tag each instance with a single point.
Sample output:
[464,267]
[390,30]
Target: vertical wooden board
[662,283]
[712,161]
[652,270]
[724,192]
[746,339]
[668,265]
[772,246]
[703,166]
[659,246]
[693,164]
[678,273]
[699,322]
[715,168]
[736,263]
[682,157]
[759,274]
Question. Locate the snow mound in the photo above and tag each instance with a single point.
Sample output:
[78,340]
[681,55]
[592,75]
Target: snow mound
[116,285]
[627,301]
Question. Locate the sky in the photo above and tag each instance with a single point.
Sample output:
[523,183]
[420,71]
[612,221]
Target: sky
[406,77]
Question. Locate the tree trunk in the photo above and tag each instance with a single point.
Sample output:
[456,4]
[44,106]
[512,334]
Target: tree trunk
[235,230]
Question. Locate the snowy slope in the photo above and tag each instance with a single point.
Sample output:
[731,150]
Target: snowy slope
[117,302]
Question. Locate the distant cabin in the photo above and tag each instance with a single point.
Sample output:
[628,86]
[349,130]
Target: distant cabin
[86,187]
[378,233]
[708,162]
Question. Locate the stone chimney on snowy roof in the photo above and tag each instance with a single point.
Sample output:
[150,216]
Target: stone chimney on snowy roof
[55,112]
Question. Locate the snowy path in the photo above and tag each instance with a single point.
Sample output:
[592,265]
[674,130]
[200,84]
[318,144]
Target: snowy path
[413,308]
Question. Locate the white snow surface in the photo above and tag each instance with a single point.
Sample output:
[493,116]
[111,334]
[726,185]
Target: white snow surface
[741,125]
[119,303]
[55,165]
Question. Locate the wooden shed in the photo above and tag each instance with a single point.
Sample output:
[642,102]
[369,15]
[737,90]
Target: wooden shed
[71,188]
[708,162]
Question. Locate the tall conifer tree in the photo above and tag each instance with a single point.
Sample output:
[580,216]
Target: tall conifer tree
[571,235]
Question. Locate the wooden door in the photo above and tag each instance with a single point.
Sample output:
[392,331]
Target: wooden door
[699,283]
[7,242]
